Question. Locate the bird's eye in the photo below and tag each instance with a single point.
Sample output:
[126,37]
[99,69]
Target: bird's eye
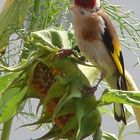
[82,12]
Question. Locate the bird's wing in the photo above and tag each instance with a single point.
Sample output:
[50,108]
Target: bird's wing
[111,41]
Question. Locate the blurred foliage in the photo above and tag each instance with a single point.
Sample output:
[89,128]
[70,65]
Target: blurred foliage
[11,18]
[33,34]
[128,25]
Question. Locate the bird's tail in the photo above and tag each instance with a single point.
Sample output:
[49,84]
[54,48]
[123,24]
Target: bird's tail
[119,112]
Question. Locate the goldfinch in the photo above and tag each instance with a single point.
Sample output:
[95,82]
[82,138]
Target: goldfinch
[98,41]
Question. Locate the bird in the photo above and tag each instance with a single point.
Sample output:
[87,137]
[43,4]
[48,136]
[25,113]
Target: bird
[99,43]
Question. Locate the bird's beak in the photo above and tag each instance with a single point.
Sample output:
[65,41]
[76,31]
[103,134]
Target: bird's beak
[72,7]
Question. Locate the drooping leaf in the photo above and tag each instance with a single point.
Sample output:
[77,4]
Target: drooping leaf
[54,38]
[70,125]
[105,110]
[10,102]
[68,109]
[57,89]
[59,106]
[6,80]
[87,115]
[98,134]
[118,96]
[13,14]
[80,115]
[90,72]
[72,92]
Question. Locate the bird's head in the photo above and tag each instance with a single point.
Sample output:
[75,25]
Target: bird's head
[87,4]
[85,7]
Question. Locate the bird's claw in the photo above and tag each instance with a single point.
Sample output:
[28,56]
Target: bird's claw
[65,52]
[94,88]
[89,90]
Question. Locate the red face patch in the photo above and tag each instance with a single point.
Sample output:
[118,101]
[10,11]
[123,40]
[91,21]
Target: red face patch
[85,3]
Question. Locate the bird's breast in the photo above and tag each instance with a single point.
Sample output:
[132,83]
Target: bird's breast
[97,54]
[88,28]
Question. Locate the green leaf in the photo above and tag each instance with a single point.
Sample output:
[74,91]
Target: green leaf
[105,110]
[9,103]
[57,89]
[13,14]
[6,80]
[89,124]
[109,136]
[87,115]
[54,37]
[70,125]
[90,72]
[67,109]
[80,114]
[98,134]
[126,97]
[71,93]
[60,104]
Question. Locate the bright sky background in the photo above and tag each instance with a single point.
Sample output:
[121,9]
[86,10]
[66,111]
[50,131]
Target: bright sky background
[24,134]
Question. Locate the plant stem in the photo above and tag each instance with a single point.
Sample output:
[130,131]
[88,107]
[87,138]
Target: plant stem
[37,4]
[120,137]
[121,130]
[132,86]
[6,130]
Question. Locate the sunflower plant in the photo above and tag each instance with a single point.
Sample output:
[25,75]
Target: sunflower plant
[33,35]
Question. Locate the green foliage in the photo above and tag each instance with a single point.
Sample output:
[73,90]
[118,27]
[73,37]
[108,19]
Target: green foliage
[73,113]
[69,89]
[10,19]
[6,80]
[54,37]
[9,103]
[125,97]
[128,25]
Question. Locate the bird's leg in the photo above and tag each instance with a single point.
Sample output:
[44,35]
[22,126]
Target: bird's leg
[68,52]
[65,52]
[94,88]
